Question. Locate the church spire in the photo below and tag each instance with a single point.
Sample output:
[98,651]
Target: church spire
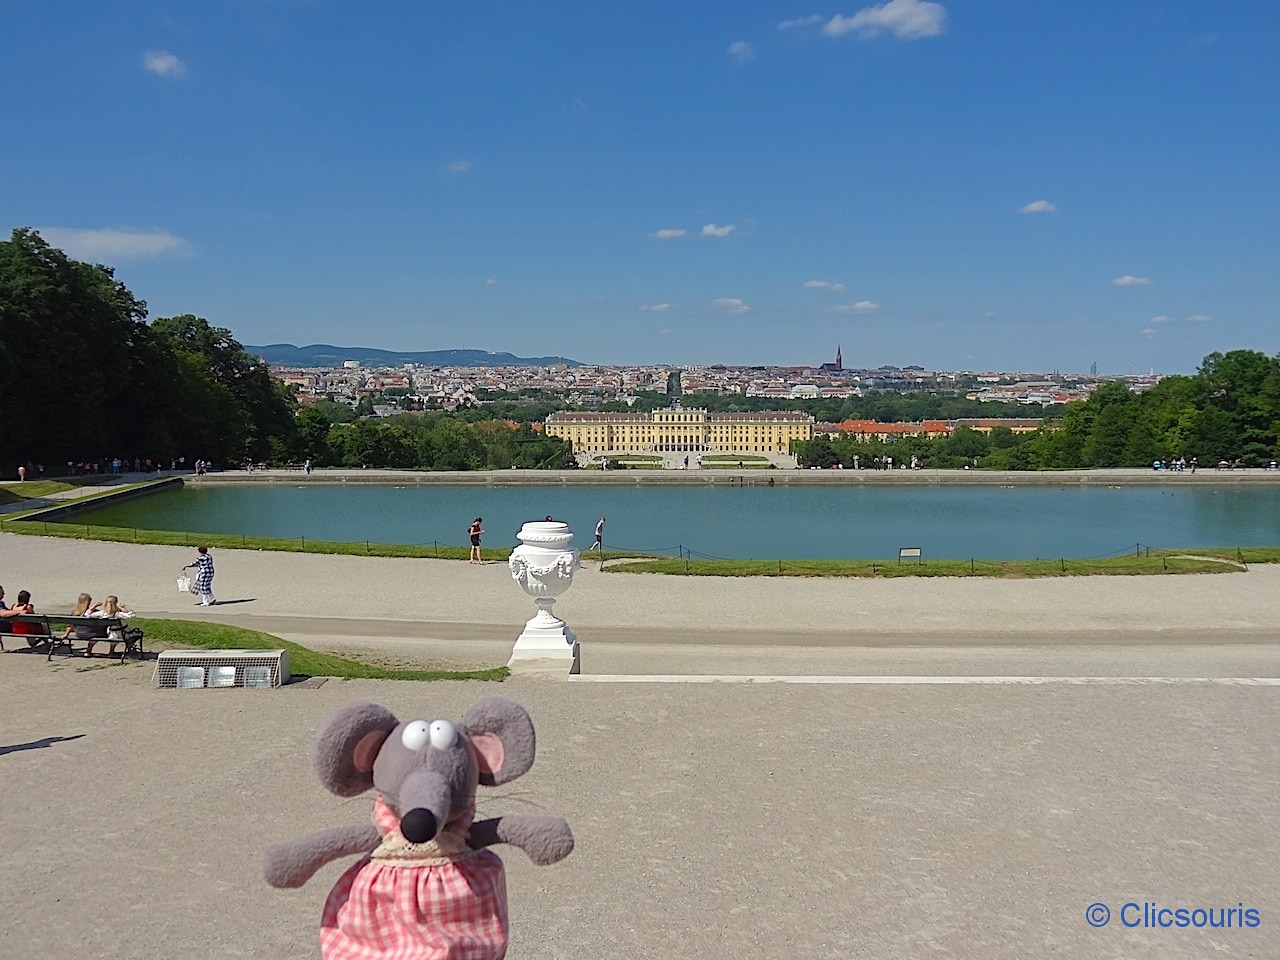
[839,362]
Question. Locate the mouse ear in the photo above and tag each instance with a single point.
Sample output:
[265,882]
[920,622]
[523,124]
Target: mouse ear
[502,735]
[345,746]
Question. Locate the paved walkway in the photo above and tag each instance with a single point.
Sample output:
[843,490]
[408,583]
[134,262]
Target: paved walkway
[717,820]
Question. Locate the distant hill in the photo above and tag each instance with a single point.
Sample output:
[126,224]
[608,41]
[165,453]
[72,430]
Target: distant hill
[327,355]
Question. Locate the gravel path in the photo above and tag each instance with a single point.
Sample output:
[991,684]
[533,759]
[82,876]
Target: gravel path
[713,820]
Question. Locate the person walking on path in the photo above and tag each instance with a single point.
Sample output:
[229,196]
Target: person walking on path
[204,576]
[474,532]
[599,541]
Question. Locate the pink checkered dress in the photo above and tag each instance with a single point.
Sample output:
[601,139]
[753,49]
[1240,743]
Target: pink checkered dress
[418,901]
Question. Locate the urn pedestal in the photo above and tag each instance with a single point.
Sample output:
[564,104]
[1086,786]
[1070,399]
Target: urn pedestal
[544,565]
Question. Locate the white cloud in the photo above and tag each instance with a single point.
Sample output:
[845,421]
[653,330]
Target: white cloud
[1131,281]
[1149,333]
[669,233]
[731,305]
[1039,206]
[862,306]
[711,230]
[656,307]
[458,166]
[111,246]
[164,64]
[1160,319]
[810,21]
[1199,318]
[742,51]
[824,285]
[491,282]
[908,19]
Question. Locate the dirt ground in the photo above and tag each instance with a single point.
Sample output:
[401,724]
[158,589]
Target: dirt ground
[1135,761]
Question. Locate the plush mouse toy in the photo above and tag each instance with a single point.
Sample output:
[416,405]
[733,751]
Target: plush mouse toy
[427,887]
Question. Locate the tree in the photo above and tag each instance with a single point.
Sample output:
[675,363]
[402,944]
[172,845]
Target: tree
[313,437]
[1244,386]
[67,333]
[817,452]
[449,445]
[1113,417]
[964,445]
[263,424]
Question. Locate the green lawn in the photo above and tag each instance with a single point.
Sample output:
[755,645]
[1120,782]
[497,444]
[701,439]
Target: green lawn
[1152,563]
[195,634]
[362,548]
[35,489]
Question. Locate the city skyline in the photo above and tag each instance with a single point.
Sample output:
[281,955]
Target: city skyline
[996,186]
[335,356]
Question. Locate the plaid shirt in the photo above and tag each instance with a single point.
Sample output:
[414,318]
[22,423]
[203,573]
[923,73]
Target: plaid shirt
[379,910]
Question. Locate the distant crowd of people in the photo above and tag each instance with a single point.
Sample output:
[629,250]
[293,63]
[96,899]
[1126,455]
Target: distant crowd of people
[1176,466]
[1181,464]
[116,465]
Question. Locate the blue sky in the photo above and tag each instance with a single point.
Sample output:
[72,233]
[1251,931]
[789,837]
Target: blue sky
[978,185]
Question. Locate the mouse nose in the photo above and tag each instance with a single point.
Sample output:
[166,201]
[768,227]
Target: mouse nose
[418,826]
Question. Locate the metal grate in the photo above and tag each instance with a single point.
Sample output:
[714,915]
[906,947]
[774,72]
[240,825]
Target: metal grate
[191,669]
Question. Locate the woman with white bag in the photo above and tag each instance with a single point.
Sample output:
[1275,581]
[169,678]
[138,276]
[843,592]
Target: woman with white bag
[204,577]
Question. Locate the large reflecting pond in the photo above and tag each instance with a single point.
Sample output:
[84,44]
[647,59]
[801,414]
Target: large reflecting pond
[743,522]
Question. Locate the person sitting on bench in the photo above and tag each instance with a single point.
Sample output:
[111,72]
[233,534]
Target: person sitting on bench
[34,632]
[111,609]
[6,612]
[91,633]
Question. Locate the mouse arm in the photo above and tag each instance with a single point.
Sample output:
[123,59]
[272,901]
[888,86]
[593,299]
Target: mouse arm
[546,840]
[292,863]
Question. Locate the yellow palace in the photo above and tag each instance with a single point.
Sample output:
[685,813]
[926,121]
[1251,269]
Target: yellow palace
[677,429]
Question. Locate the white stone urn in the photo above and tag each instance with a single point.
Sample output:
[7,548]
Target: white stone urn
[544,565]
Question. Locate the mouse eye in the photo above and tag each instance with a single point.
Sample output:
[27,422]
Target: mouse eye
[416,735]
[443,734]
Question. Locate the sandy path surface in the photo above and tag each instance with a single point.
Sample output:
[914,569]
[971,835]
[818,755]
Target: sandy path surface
[413,608]
[721,821]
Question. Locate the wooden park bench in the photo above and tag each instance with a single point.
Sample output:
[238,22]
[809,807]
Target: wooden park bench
[53,626]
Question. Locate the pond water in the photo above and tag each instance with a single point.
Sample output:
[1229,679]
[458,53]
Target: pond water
[986,523]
